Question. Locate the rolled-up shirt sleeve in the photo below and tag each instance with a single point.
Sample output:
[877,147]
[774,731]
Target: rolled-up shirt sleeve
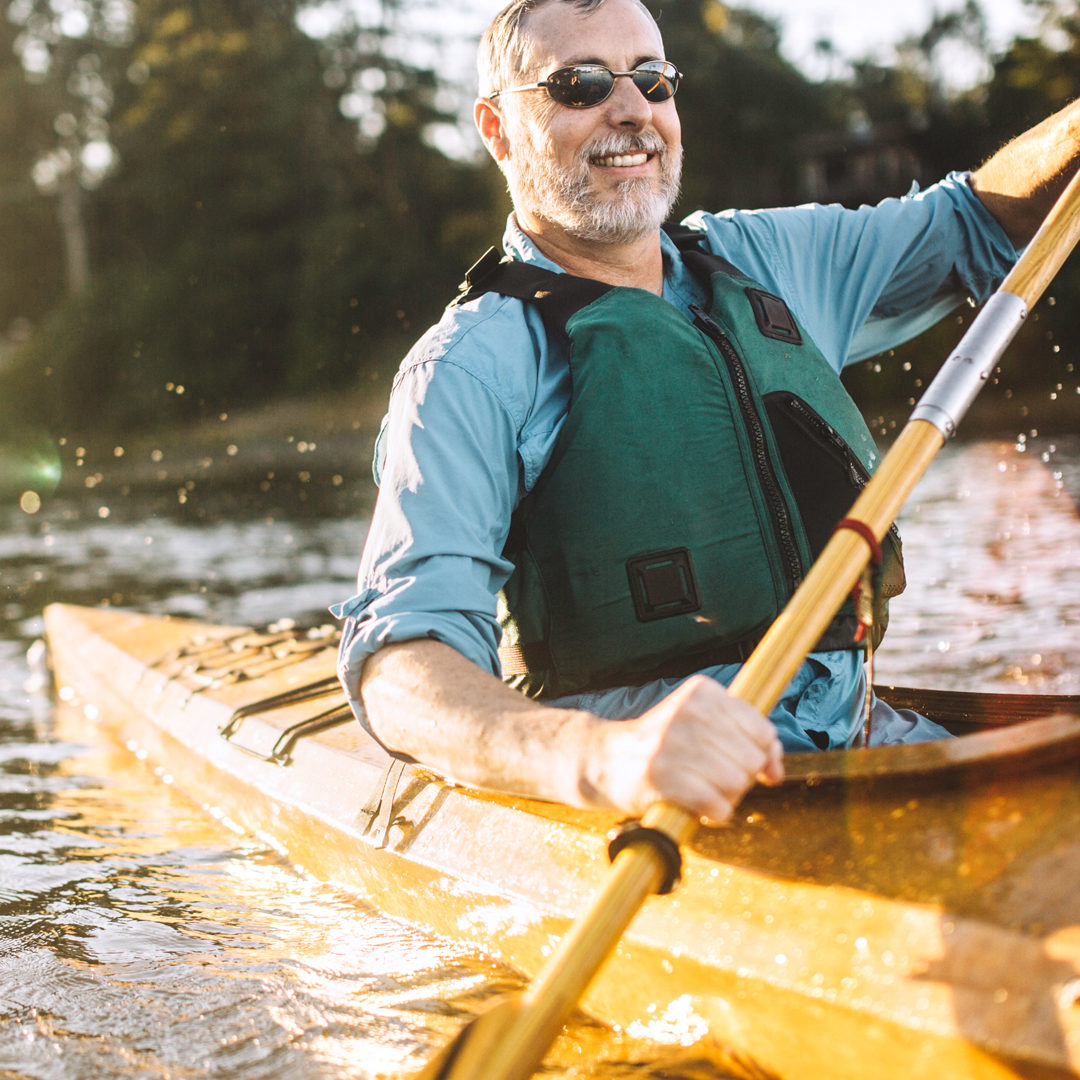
[866,280]
[449,472]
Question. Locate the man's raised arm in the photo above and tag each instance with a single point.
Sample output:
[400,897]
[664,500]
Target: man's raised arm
[698,747]
[1023,180]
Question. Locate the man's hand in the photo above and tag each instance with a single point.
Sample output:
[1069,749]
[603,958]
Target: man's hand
[700,748]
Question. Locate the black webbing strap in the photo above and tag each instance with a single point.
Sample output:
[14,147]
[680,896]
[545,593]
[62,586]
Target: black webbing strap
[558,296]
[380,805]
[702,263]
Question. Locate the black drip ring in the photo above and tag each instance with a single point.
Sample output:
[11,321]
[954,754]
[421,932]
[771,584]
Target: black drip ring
[633,832]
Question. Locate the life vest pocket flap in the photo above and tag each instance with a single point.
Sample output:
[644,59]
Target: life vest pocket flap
[774,318]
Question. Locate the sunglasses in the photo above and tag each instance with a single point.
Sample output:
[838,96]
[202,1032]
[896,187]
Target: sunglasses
[585,85]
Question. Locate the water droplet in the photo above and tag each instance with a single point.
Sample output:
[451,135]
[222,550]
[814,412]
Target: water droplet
[30,502]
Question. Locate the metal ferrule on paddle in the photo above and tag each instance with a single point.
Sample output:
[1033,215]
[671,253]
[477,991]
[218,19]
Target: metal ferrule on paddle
[961,378]
[509,1041]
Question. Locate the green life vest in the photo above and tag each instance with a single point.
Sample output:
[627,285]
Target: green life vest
[700,470]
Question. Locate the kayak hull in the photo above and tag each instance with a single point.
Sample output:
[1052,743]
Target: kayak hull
[909,911]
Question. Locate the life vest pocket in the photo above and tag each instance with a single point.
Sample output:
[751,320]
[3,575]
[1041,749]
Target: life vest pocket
[826,477]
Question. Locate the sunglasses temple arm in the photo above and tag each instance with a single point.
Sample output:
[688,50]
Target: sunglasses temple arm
[518,89]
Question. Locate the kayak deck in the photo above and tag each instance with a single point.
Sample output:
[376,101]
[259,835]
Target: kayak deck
[897,911]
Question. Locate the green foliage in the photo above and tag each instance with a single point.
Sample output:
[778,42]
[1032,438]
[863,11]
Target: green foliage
[1031,80]
[31,263]
[246,246]
[251,240]
[743,107]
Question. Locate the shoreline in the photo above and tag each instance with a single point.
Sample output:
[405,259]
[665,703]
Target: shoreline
[334,436]
[277,441]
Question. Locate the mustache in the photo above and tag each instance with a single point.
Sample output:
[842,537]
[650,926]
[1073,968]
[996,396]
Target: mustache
[617,144]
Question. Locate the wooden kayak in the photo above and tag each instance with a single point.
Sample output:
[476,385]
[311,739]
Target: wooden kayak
[896,912]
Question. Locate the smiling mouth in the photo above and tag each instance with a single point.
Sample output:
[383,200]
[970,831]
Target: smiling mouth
[622,161]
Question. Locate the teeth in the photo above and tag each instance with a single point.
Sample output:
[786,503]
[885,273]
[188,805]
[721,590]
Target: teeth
[623,161]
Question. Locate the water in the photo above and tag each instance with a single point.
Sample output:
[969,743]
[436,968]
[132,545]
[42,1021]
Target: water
[992,547]
[140,938]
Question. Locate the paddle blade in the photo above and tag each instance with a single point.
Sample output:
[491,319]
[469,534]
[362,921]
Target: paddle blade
[480,1041]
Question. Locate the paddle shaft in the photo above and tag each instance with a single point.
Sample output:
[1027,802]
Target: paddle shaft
[510,1042]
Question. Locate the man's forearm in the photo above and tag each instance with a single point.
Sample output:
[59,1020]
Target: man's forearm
[698,747]
[425,699]
[1023,180]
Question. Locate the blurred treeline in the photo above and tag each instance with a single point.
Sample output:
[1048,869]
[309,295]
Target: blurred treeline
[196,194]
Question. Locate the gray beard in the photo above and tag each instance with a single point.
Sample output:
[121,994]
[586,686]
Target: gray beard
[564,195]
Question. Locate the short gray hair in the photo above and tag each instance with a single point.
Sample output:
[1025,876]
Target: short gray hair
[500,61]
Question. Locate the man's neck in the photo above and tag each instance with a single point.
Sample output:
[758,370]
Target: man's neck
[636,265]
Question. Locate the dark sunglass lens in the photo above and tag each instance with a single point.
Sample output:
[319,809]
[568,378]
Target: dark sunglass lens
[657,82]
[580,86]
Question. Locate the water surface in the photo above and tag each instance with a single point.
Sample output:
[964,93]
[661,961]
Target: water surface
[140,938]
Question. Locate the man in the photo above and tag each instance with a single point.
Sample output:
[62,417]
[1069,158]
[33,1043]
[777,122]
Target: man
[488,461]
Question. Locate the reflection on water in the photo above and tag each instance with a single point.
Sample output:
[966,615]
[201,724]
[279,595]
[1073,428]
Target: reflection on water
[138,937]
[135,938]
[992,546]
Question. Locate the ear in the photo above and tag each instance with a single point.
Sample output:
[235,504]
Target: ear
[492,128]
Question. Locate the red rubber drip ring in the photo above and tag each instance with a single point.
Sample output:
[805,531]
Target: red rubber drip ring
[866,533]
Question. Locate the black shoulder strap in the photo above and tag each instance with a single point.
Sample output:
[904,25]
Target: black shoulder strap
[558,296]
[702,263]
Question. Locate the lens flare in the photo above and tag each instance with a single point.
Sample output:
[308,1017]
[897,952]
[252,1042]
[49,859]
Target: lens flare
[29,470]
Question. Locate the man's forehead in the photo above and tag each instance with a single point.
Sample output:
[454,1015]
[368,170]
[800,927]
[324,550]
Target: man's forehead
[616,33]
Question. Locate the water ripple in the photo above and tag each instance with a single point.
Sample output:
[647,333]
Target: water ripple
[140,938]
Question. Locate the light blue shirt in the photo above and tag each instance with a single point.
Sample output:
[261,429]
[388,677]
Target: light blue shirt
[479,401]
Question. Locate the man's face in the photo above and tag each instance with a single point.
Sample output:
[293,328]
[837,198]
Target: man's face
[609,173]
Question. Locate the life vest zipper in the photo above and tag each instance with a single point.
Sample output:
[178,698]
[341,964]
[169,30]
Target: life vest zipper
[815,424]
[828,436]
[755,429]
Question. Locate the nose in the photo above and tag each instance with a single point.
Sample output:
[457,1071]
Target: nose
[627,107]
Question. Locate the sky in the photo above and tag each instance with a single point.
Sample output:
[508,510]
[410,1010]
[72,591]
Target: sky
[443,36]
[857,28]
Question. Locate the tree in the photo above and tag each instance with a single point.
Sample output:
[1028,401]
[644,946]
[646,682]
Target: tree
[246,241]
[743,106]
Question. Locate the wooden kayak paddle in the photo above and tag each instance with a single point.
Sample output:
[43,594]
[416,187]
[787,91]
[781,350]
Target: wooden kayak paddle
[509,1040]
